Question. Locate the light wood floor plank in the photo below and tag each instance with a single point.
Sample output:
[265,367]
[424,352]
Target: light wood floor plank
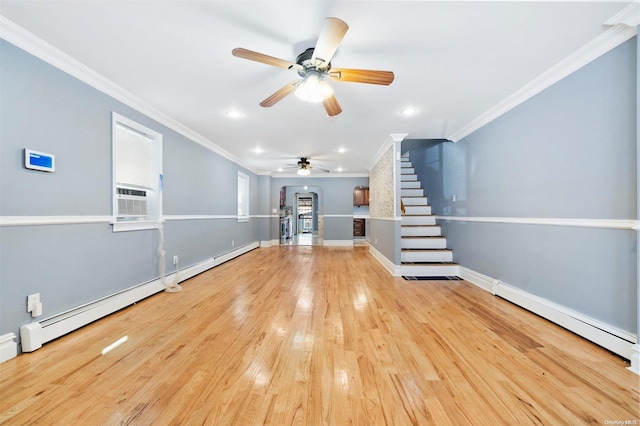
[319,335]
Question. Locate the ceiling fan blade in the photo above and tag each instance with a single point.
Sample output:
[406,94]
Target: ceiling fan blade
[384,78]
[332,106]
[280,94]
[261,57]
[330,37]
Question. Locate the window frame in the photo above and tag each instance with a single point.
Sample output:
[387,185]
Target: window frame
[153,218]
[243,189]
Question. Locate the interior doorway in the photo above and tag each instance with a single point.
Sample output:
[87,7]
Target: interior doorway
[306,218]
[300,217]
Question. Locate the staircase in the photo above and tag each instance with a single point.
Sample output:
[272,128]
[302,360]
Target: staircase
[424,250]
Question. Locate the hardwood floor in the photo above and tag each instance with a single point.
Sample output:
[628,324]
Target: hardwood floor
[319,335]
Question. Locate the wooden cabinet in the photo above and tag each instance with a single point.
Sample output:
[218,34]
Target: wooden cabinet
[358,227]
[361,196]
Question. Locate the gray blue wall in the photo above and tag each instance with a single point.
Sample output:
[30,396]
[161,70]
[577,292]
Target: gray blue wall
[335,200]
[69,265]
[569,152]
[45,109]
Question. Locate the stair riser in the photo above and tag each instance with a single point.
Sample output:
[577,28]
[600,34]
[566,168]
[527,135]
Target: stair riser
[423,243]
[414,201]
[430,270]
[418,220]
[409,184]
[426,256]
[404,170]
[408,178]
[417,209]
[421,231]
[411,193]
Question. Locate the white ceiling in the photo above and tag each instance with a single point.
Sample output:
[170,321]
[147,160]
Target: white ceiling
[452,61]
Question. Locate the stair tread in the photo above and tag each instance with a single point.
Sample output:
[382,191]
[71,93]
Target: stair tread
[430,263]
[418,225]
[418,236]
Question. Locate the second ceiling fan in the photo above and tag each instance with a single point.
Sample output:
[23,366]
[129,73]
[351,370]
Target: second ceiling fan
[314,67]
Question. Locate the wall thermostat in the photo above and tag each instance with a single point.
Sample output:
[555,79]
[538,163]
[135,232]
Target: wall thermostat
[37,160]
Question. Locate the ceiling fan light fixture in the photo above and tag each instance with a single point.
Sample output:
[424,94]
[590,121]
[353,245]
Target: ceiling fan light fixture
[313,88]
[304,171]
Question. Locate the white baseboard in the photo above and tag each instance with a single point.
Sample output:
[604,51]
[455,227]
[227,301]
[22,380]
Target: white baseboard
[270,243]
[8,348]
[338,243]
[63,323]
[483,281]
[612,338]
[635,359]
[395,270]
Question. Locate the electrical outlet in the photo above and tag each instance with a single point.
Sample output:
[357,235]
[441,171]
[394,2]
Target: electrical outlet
[233,243]
[175,260]
[32,301]
[33,305]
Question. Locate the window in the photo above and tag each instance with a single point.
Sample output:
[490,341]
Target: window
[243,197]
[137,175]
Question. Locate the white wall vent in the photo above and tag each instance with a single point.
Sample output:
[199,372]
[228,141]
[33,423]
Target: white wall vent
[131,202]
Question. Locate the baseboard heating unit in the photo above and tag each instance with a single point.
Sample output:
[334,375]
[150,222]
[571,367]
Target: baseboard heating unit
[612,338]
[35,334]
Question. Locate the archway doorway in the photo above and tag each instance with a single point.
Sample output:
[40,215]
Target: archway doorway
[300,215]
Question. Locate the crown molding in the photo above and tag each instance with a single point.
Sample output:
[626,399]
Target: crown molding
[23,39]
[629,16]
[608,40]
[392,139]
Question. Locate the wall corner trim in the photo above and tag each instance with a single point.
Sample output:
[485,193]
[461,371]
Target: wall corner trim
[392,139]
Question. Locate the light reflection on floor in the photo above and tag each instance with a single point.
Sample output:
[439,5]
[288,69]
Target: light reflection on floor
[304,239]
[309,239]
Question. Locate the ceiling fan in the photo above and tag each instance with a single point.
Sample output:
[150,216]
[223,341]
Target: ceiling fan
[304,167]
[314,67]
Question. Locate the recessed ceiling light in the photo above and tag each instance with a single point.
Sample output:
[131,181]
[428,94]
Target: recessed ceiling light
[408,111]
[341,150]
[280,169]
[234,114]
[339,169]
[258,150]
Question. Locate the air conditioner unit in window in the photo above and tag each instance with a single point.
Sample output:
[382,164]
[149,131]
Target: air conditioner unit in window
[132,203]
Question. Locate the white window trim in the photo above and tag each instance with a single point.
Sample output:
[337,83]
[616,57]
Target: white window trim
[244,217]
[154,214]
